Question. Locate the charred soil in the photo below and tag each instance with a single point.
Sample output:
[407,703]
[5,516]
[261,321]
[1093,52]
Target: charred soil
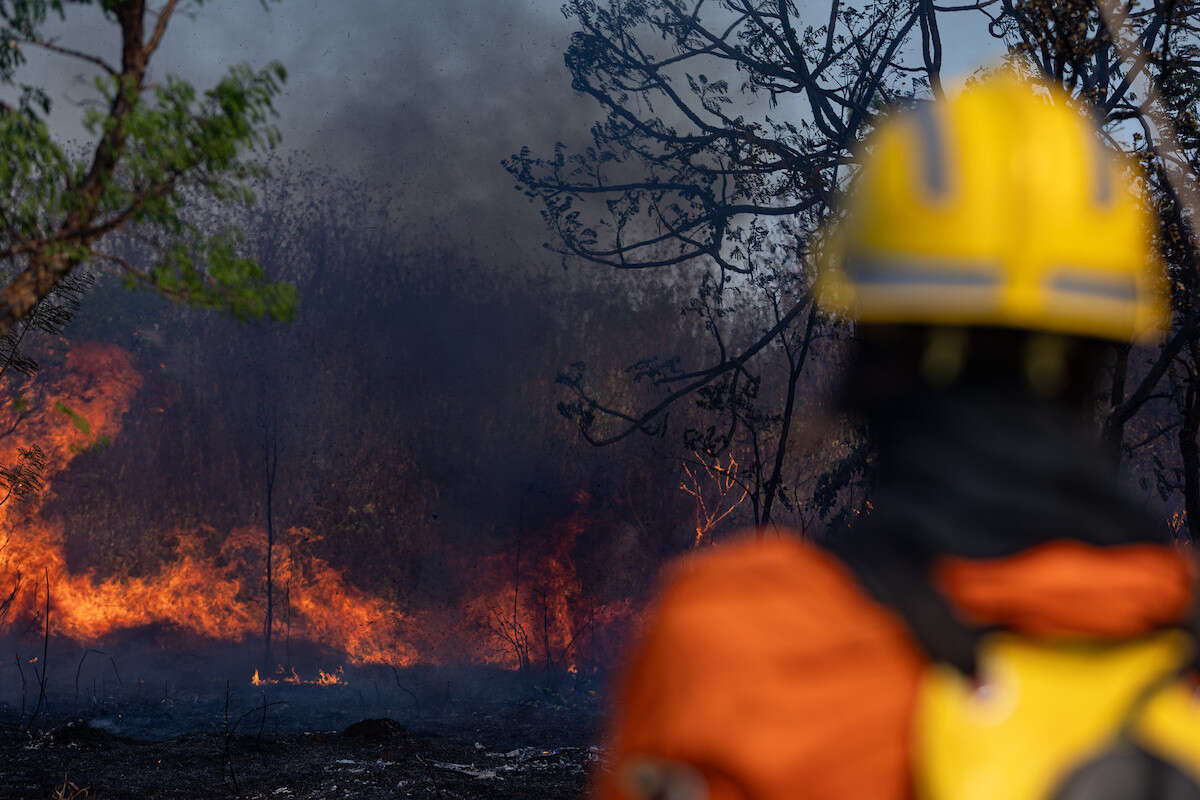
[378,759]
[304,742]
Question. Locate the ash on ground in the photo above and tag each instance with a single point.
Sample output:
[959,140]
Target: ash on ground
[425,733]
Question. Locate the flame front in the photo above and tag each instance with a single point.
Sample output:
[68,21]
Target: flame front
[215,591]
[329,678]
[323,678]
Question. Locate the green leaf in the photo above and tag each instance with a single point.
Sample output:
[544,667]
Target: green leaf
[80,423]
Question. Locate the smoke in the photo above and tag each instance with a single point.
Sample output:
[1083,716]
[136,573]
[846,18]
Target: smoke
[415,391]
[420,99]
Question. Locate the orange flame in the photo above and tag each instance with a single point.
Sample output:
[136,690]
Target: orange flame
[323,678]
[715,488]
[329,678]
[526,614]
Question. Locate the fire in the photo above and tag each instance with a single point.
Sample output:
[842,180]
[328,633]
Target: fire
[329,678]
[323,678]
[716,490]
[528,612]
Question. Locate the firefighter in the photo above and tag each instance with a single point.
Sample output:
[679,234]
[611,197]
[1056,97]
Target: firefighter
[1009,622]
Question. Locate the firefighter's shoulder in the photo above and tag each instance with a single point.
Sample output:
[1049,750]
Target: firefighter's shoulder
[747,647]
[778,591]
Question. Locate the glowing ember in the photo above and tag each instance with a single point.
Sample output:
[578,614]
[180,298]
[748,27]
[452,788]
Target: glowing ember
[717,490]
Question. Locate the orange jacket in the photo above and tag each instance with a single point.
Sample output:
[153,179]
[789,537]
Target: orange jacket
[767,670]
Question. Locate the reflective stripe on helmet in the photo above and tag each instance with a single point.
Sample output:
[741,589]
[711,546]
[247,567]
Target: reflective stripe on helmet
[1108,287]
[933,148]
[867,271]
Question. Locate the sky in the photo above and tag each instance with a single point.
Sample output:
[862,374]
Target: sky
[419,98]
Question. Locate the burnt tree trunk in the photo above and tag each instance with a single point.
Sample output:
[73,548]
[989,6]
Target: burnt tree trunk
[795,367]
[287,623]
[270,445]
[1114,433]
[1189,450]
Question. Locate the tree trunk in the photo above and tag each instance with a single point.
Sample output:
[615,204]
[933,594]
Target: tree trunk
[796,368]
[269,624]
[270,462]
[1189,451]
[1114,432]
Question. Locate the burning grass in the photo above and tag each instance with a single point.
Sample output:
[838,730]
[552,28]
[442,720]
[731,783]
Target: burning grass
[153,684]
[210,586]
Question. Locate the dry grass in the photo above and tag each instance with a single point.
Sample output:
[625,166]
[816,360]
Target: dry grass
[69,790]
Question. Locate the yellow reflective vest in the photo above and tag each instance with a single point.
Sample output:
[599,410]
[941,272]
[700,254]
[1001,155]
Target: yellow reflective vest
[1062,720]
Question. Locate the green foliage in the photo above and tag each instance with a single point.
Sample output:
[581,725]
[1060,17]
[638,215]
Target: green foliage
[82,424]
[165,162]
[210,273]
[99,444]
[166,158]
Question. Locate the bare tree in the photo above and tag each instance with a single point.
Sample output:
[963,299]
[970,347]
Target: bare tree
[268,420]
[727,136]
[156,148]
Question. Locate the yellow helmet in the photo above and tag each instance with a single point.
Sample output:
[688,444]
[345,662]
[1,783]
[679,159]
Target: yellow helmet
[1000,207]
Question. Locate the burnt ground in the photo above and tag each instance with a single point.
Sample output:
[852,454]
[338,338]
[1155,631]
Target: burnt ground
[67,762]
[522,740]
